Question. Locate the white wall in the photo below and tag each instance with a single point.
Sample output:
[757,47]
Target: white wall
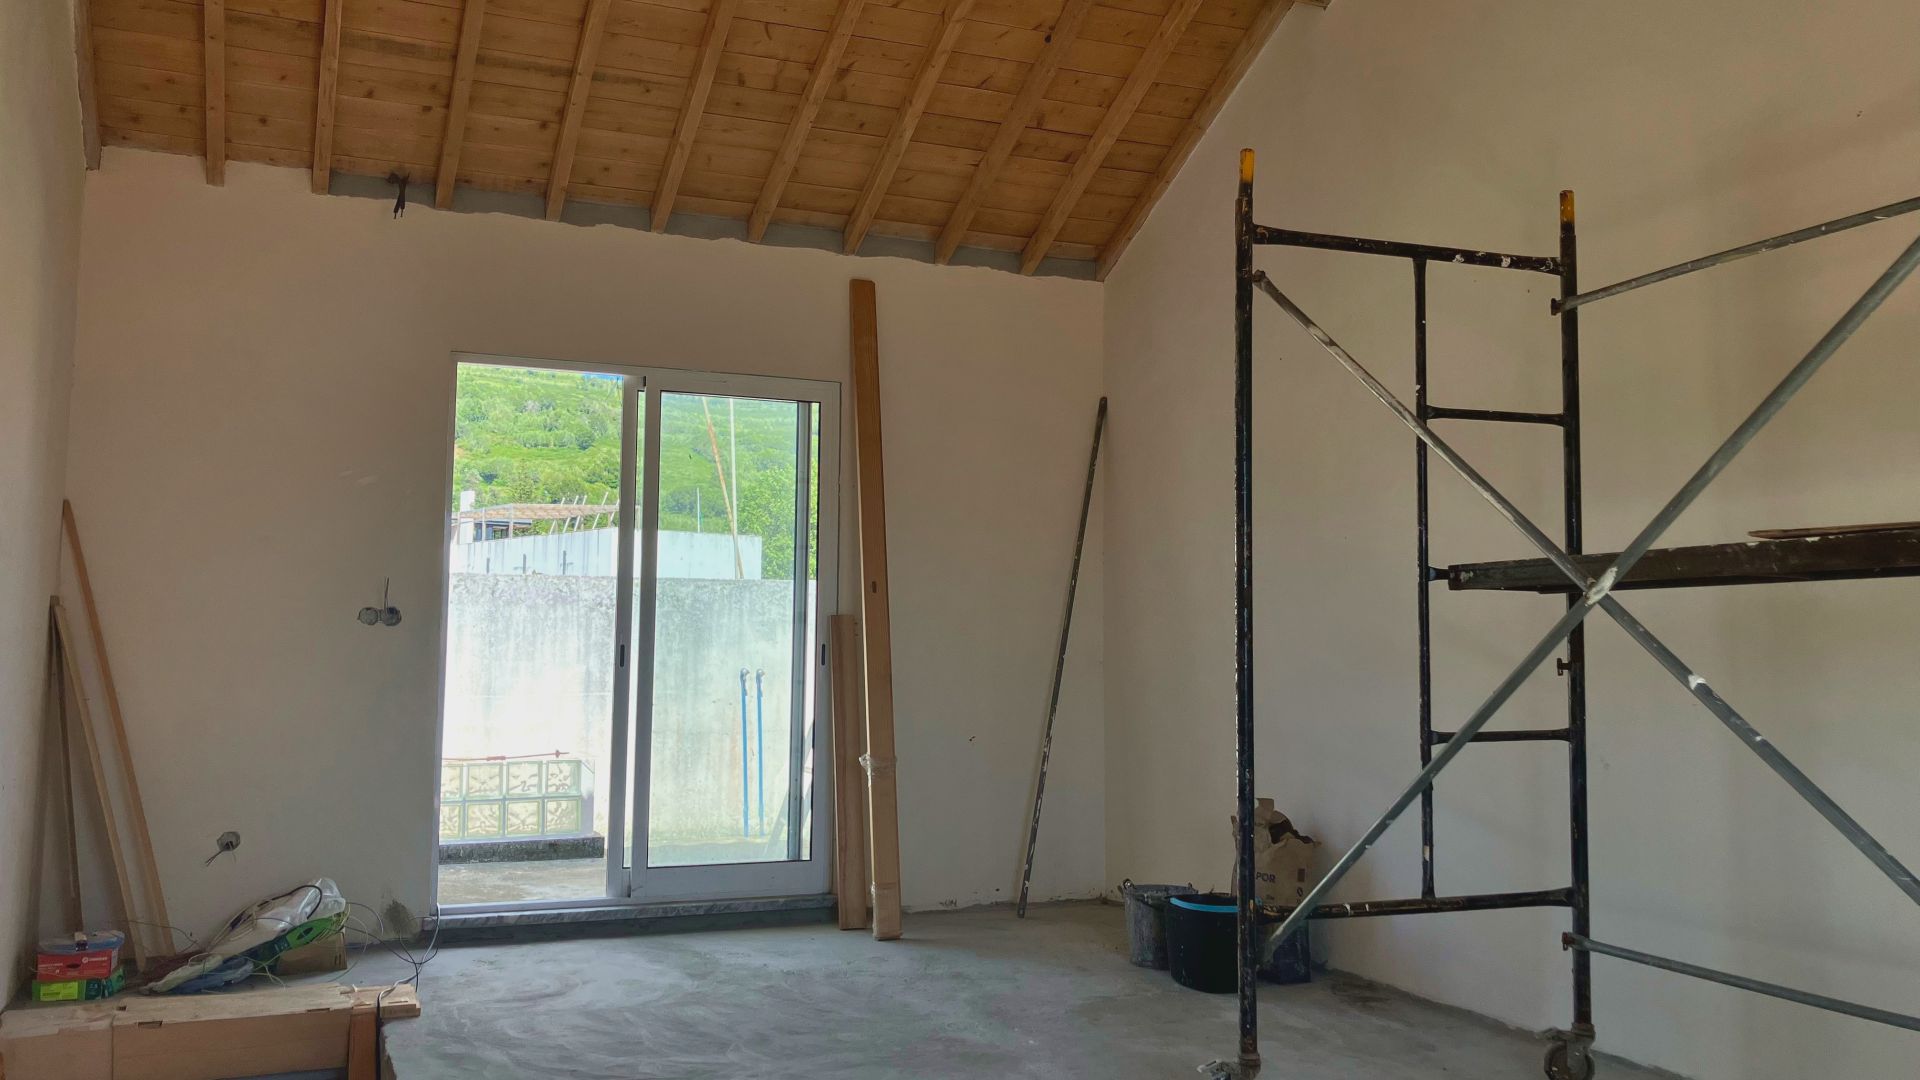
[40,170]
[260,431]
[1684,128]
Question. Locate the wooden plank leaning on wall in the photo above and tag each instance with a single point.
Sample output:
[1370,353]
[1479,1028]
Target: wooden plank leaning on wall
[851,883]
[883,795]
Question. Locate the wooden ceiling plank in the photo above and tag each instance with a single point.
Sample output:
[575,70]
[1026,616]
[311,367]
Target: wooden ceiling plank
[326,92]
[592,30]
[824,69]
[902,132]
[1019,115]
[458,97]
[712,44]
[213,42]
[1090,159]
[1256,38]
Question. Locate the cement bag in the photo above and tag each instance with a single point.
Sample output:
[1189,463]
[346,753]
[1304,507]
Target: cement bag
[1283,857]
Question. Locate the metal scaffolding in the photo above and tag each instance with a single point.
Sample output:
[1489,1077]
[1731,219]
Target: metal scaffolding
[1587,581]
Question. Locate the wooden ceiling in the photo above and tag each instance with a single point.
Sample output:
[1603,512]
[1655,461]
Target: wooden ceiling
[1044,127]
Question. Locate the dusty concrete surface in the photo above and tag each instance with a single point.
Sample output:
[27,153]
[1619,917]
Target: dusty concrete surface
[966,994]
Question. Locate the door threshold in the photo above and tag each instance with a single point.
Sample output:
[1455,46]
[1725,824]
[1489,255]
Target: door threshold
[613,918]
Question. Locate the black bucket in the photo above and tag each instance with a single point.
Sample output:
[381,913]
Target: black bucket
[1146,921]
[1200,942]
[1202,934]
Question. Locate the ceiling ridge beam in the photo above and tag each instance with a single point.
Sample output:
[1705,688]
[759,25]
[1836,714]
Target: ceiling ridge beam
[1019,115]
[1119,114]
[712,43]
[326,95]
[824,70]
[592,30]
[457,99]
[901,134]
[213,42]
[1243,57]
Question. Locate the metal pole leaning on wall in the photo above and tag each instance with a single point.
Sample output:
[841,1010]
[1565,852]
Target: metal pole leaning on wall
[1060,658]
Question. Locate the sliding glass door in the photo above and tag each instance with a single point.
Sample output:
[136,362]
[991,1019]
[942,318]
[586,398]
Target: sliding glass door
[680,589]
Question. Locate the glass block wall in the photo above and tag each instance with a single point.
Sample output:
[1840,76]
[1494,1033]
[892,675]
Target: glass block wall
[514,798]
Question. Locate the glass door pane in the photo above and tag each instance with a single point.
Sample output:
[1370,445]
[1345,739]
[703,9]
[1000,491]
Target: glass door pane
[728,726]
[526,780]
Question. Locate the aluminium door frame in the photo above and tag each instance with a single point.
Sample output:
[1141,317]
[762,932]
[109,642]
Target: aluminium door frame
[641,387]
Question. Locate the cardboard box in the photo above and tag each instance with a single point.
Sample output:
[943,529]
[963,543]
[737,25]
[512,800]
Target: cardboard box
[1283,857]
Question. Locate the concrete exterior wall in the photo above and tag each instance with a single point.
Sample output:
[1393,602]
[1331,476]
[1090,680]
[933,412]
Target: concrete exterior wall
[1684,128]
[257,346]
[40,182]
[530,671]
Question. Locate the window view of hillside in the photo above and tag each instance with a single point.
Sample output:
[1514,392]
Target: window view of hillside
[524,435]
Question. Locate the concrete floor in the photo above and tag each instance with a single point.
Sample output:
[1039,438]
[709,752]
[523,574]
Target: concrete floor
[966,994]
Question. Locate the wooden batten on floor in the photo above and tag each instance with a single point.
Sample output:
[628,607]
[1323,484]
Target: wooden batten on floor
[825,69]
[851,884]
[1019,115]
[213,41]
[458,97]
[883,793]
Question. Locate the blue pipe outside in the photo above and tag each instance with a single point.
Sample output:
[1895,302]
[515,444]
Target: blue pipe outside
[743,751]
[760,745]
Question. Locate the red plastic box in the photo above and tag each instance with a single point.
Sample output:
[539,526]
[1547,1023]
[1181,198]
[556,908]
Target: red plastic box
[94,956]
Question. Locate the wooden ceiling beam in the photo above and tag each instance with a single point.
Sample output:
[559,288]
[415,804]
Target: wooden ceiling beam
[824,69]
[1111,125]
[462,91]
[592,30]
[1243,56]
[903,125]
[326,94]
[712,43]
[213,42]
[1019,115]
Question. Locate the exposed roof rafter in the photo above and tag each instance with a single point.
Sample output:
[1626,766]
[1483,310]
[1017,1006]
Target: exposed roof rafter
[1217,95]
[825,68]
[712,43]
[1019,115]
[326,95]
[458,95]
[903,125]
[592,32]
[1111,125]
[213,42]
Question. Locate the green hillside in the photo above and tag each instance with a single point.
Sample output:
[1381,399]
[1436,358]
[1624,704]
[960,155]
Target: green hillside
[543,436]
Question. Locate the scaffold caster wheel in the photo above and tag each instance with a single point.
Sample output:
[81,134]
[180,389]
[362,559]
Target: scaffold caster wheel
[1565,1061]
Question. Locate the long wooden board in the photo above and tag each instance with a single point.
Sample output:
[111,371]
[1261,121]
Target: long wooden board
[119,784]
[309,1028]
[851,884]
[883,793]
